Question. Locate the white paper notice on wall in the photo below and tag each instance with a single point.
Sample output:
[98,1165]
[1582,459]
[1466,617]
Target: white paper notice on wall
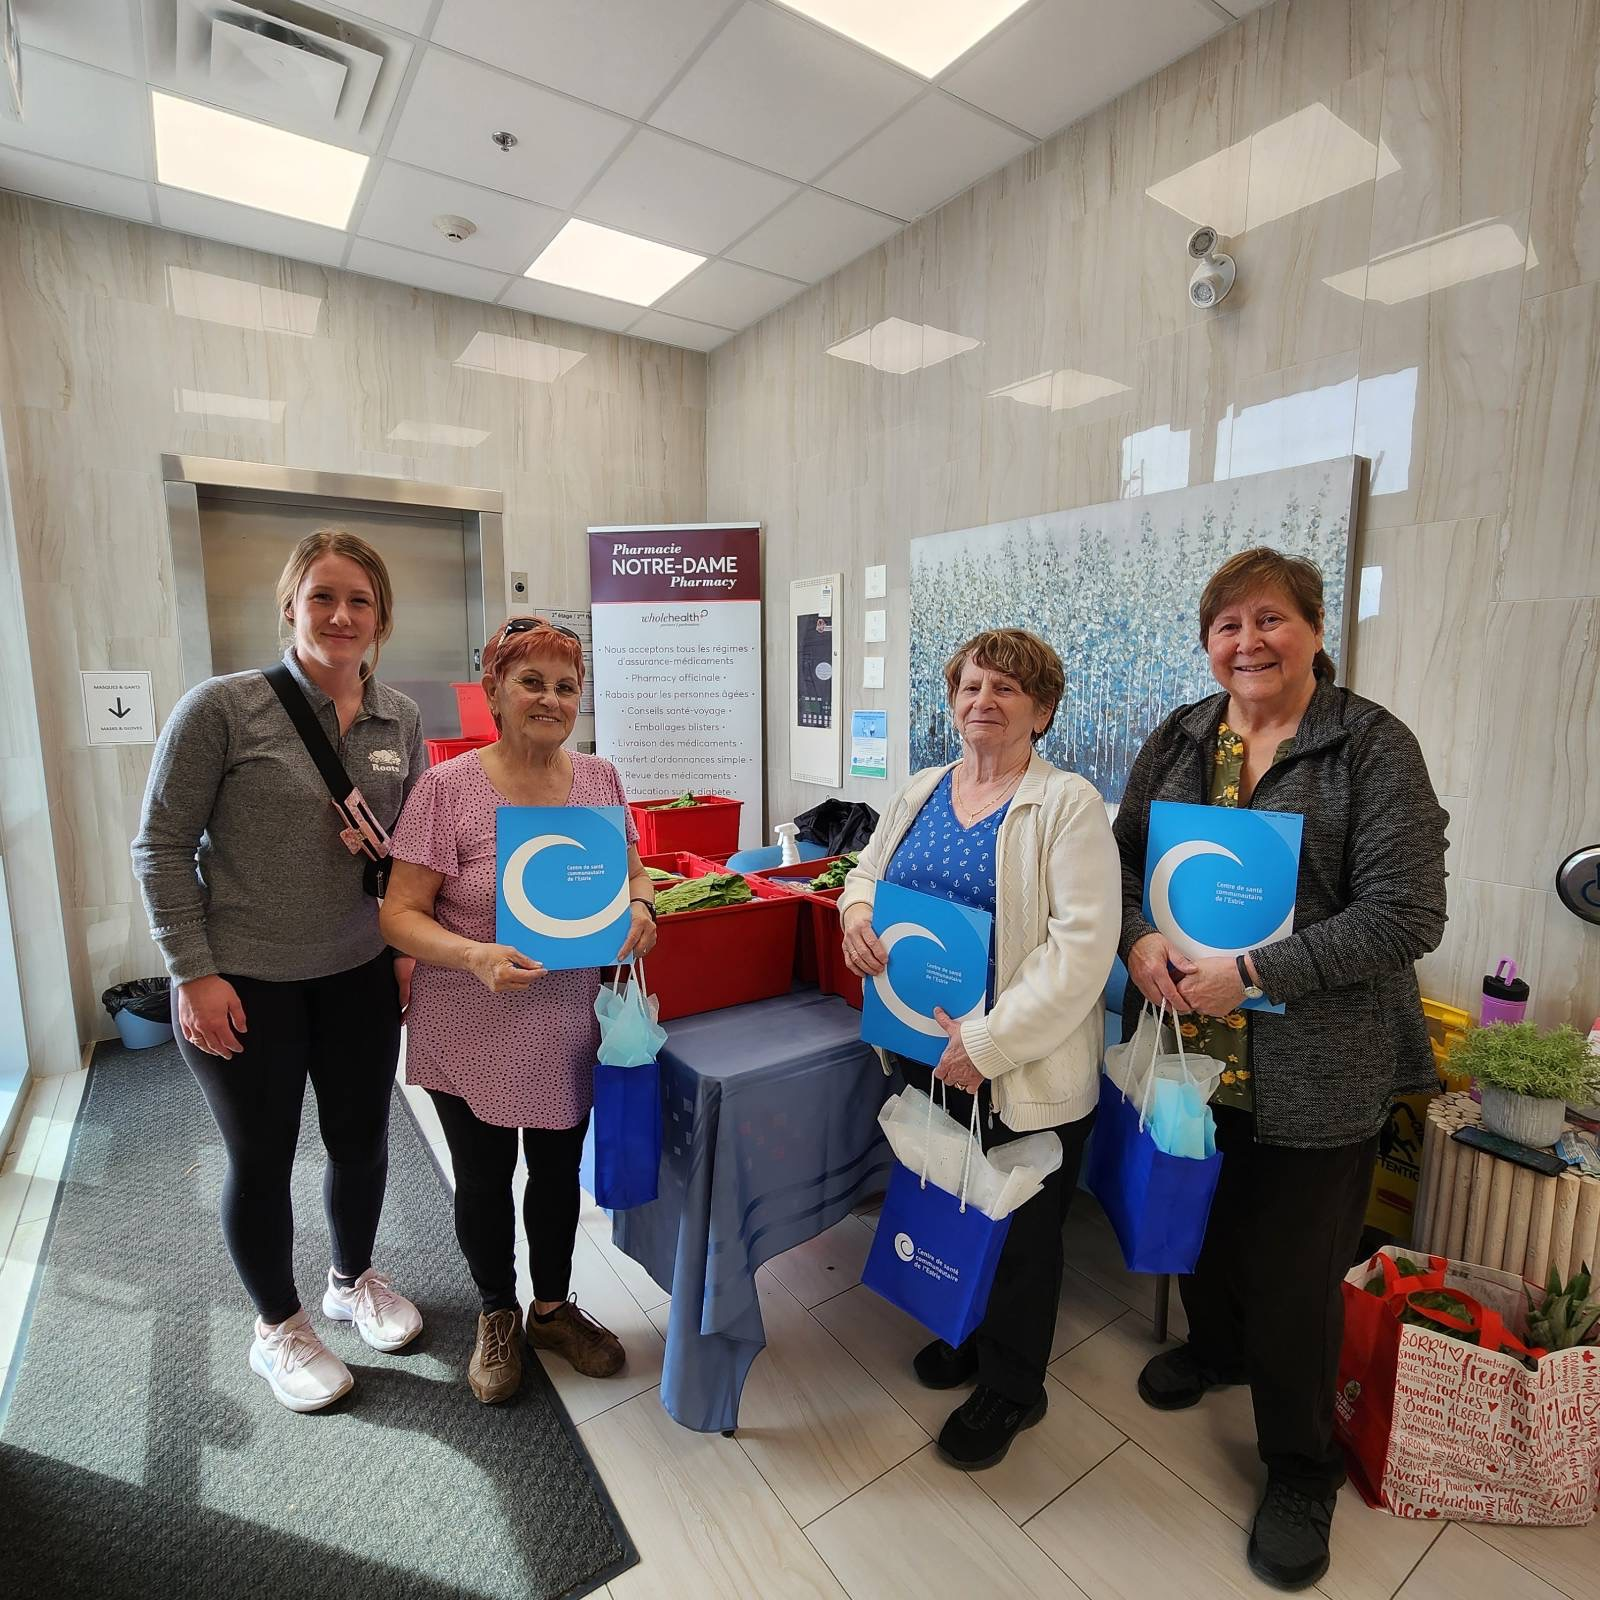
[872,672]
[118,707]
[875,583]
[877,627]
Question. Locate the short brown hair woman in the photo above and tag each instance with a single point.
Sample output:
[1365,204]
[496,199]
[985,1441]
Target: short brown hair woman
[1305,1094]
[1003,831]
[279,971]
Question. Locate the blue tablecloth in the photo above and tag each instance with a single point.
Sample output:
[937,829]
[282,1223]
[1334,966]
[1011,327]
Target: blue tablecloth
[770,1135]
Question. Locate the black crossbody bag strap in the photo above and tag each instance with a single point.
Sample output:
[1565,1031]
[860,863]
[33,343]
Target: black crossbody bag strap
[359,827]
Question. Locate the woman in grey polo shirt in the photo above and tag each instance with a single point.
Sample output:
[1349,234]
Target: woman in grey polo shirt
[271,937]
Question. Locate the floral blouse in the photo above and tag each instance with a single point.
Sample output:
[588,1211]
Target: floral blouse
[1227,1039]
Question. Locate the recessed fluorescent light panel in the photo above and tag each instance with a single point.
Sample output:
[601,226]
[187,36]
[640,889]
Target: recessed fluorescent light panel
[232,158]
[897,346]
[925,35]
[438,433]
[1060,391]
[510,357]
[228,407]
[620,266]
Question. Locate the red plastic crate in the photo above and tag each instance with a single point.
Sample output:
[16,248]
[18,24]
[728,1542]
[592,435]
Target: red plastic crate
[796,878]
[442,749]
[473,705]
[710,827]
[684,863]
[833,976]
[725,956]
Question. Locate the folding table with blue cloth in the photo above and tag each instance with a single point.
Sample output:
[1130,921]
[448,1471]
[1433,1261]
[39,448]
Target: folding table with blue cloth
[770,1136]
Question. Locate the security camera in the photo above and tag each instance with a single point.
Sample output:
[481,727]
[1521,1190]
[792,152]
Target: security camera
[1214,273]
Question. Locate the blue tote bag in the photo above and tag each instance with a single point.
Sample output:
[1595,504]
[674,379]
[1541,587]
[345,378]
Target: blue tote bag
[1158,1203]
[933,1255]
[627,1095]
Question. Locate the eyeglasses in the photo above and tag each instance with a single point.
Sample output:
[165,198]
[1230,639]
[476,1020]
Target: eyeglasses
[528,624]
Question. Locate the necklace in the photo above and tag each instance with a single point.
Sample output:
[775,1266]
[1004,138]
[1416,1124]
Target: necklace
[967,816]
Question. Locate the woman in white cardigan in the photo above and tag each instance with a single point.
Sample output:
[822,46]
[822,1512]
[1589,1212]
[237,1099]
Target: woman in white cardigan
[1003,831]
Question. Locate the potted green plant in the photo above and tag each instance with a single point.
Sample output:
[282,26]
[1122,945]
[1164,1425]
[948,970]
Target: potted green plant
[1526,1077]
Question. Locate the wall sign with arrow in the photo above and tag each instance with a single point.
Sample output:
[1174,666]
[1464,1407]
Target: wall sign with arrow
[118,707]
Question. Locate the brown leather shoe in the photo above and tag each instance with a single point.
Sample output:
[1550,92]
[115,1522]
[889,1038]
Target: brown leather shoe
[596,1352]
[495,1370]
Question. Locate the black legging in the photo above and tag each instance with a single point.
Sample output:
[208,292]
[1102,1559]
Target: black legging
[484,1156]
[343,1032]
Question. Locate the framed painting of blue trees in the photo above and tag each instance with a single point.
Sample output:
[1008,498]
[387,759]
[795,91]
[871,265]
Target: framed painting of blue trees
[1116,589]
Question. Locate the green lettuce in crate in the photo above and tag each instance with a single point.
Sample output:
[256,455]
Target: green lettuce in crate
[833,877]
[703,894]
[1565,1316]
[685,799]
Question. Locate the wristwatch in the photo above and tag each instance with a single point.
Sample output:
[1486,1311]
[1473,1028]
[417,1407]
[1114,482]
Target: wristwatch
[1252,989]
[649,905]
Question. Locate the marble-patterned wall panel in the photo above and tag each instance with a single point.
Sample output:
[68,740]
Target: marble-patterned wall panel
[1535,783]
[1565,223]
[1553,520]
[1297,52]
[1422,613]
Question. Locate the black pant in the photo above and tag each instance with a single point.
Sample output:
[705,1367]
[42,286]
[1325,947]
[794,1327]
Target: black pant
[1264,1302]
[484,1156]
[1020,1322]
[343,1032]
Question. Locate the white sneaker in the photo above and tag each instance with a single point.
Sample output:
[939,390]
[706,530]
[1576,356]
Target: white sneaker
[386,1320]
[302,1371]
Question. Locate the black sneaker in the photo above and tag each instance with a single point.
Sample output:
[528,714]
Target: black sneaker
[1289,1540]
[942,1366]
[978,1433]
[1178,1378]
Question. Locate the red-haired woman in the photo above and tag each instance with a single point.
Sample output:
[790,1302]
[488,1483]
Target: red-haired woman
[498,1042]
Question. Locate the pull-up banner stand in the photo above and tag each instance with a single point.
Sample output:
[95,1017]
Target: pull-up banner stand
[677,661]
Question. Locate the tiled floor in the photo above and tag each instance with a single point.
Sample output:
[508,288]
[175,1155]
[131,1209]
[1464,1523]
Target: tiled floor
[832,1486]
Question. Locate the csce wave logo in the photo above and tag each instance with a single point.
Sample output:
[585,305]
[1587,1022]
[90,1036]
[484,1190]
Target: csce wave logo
[903,1247]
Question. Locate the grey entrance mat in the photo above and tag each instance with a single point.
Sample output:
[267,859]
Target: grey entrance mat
[141,1457]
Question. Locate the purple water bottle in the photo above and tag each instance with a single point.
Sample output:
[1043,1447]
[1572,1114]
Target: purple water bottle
[1505,995]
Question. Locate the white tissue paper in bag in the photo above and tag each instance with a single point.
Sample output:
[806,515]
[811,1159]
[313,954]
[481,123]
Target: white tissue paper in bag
[996,1184]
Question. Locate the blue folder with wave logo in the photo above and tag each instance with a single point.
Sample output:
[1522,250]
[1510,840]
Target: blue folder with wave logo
[938,956]
[1221,880]
[562,895]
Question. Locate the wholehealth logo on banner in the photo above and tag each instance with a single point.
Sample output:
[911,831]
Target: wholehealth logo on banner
[563,883]
[1220,881]
[938,957]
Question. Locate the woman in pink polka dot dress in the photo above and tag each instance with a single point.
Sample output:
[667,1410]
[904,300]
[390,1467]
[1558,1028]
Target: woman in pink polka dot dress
[499,1043]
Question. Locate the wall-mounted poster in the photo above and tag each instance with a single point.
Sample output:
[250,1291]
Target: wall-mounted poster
[816,733]
[1116,589]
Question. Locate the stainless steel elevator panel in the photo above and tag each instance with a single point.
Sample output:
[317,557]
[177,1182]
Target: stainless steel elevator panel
[245,542]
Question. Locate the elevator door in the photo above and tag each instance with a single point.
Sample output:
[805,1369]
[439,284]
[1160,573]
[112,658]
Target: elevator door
[246,542]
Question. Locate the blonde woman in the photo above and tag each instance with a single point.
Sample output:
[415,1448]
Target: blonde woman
[269,928]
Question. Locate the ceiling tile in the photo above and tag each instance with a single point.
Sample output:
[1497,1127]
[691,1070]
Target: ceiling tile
[455,105]
[617,53]
[200,214]
[74,186]
[734,296]
[812,236]
[674,330]
[78,113]
[405,201]
[100,32]
[409,16]
[683,195]
[424,272]
[570,305]
[1066,58]
[934,149]
[783,93]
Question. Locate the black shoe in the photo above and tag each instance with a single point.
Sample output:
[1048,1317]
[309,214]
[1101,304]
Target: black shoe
[1177,1378]
[978,1433]
[1289,1541]
[942,1366]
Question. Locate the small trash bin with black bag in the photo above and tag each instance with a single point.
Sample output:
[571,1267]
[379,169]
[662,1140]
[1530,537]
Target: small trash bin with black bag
[142,1011]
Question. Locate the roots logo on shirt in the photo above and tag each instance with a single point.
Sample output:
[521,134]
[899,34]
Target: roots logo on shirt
[387,761]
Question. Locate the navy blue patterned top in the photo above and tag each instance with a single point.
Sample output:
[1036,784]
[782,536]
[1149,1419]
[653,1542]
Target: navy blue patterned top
[938,856]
